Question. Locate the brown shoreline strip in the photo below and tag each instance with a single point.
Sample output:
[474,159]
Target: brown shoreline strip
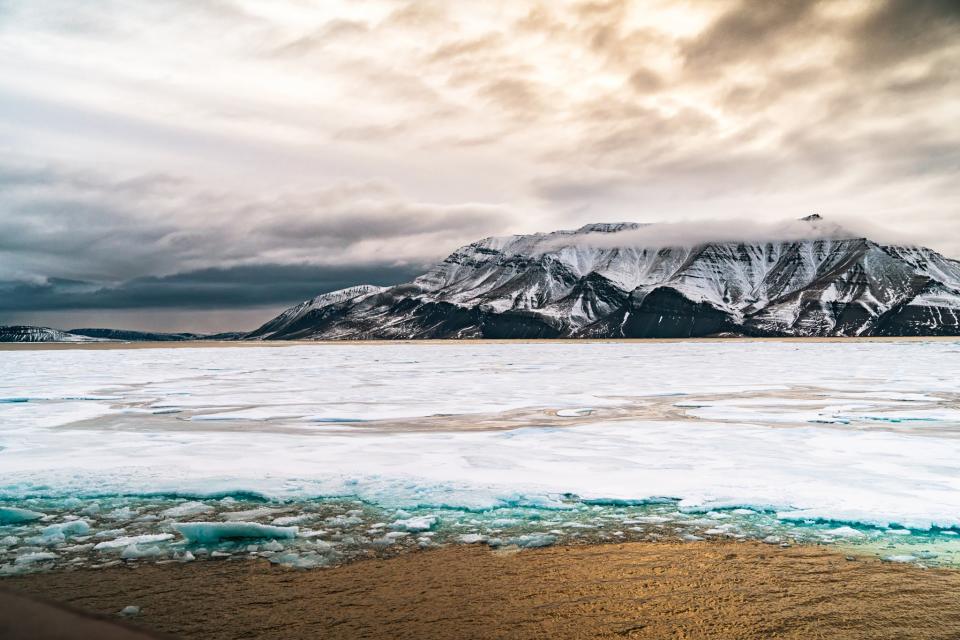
[29,618]
[640,590]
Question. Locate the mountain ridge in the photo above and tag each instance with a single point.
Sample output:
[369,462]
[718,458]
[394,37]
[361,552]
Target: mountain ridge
[600,280]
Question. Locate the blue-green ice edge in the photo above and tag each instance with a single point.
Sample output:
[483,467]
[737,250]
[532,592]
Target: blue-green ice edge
[333,530]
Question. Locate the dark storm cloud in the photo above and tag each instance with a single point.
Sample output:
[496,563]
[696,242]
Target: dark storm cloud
[85,226]
[236,287]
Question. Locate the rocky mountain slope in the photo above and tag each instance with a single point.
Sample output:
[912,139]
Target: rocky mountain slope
[597,281]
[22,333]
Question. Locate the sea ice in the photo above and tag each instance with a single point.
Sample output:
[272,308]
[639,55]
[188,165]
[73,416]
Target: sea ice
[470,538]
[250,514]
[845,532]
[900,558]
[35,557]
[62,530]
[126,541]
[13,515]
[134,552]
[734,456]
[186,509]
[533,540]
[217,531]
[420,523]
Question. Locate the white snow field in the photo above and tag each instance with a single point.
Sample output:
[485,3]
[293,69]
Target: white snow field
[503,443]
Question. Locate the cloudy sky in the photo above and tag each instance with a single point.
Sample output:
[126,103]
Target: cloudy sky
[200,164]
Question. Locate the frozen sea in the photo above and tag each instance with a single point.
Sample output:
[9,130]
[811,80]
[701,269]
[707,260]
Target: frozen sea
[313,454]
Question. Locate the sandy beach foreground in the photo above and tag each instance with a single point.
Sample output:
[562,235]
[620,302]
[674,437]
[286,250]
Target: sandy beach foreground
[640,590]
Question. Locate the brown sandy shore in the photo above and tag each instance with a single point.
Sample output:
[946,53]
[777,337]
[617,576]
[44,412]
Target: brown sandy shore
[638,590]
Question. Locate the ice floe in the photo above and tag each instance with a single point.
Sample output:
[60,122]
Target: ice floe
[215,531]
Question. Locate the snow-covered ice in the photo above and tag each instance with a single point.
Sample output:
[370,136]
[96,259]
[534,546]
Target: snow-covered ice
[848,435]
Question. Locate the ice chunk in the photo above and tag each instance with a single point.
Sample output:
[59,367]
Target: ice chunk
[35,557]
[9,541]
[13,515]
[133,552]
[129,611]
[286,521]
[471,538]
[60,531]
[216,531]
[900,558]
[109,533]
[845,532]
[647,520]
[123,513]
[305,561]
[419,523]
[250,514]
[125,541]
[533,540]
[192,508]
[504,522]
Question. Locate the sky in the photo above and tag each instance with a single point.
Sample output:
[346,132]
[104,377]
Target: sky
[202,164]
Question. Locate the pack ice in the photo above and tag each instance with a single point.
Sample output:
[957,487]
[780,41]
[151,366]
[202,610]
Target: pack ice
[861,434]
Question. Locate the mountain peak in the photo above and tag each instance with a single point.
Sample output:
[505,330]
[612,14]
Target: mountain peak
[813,217]
[608,227]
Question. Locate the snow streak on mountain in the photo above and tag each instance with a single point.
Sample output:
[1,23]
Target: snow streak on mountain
[605,281]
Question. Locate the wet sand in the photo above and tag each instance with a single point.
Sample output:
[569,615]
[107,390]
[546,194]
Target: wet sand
[194,344]
[641,590]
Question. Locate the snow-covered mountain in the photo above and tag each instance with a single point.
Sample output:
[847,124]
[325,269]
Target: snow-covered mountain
[22,333]
[607,280]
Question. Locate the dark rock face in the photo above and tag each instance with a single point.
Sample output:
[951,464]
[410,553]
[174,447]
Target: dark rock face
[661,313]
[600,281]
[134,336]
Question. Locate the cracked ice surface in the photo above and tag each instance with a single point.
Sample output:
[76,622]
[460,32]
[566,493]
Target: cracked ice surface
[848,432]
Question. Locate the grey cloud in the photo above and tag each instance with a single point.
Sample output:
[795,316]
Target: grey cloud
[516,95]
[900,30]
[750,29]
[645,80]
[110,230]
[580,188]
[420,14]
[460,48]
[235,287]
